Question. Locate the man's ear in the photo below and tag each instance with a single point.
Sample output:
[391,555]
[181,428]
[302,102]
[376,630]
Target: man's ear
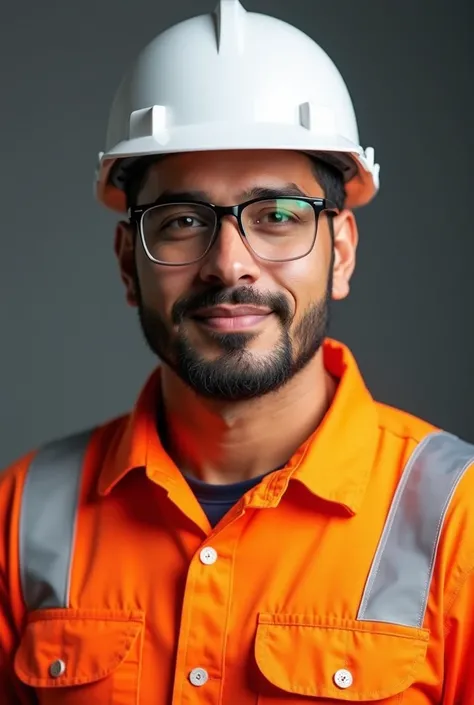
[124,247]
[346,237]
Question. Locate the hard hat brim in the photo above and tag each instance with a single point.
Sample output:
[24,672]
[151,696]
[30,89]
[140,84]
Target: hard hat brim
[360,174]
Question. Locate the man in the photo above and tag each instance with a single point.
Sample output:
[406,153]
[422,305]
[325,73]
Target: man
[259,529]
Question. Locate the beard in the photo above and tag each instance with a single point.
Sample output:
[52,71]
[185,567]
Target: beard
[237,374]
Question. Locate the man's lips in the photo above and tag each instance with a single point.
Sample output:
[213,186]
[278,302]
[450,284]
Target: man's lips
[231,311]
[231,318]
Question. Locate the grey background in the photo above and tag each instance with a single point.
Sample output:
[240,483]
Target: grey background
[71,351]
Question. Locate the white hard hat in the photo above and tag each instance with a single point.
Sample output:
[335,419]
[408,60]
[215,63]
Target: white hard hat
[233,80]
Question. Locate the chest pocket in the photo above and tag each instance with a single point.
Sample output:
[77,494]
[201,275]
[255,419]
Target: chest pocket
[82,657]
[330,661]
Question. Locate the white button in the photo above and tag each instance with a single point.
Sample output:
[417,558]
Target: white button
[208,555]
[57,668]
[198,676]
[343,678]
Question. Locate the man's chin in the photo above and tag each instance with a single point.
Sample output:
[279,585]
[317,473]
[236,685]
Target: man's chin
[237,374]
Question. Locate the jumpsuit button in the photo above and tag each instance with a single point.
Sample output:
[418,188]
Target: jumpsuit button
[208,555]
[57,668]
[343,678]
[198,677]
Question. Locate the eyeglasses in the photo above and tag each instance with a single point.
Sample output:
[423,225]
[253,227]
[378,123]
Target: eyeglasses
[275,229]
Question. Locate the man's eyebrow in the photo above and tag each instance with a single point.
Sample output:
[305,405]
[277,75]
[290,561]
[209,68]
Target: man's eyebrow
[289,189]
[169,195]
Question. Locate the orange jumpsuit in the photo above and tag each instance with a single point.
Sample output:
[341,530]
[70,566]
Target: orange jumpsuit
[262,609]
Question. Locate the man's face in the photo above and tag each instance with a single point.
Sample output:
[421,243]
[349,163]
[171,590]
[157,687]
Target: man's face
[219,354]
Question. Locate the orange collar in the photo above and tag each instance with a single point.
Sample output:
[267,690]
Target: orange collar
[334,464]
[336,461]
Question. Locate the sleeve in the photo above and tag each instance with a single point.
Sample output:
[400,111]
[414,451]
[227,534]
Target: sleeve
[12,691]
[459,646]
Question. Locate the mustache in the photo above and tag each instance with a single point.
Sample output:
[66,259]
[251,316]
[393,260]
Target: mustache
[245,295]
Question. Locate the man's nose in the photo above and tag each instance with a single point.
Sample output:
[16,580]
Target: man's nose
[230,261]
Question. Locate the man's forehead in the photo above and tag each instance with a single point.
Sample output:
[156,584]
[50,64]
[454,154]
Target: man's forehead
[268,190]
[238,176]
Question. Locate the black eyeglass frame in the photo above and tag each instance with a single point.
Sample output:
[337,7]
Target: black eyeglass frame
[136,216]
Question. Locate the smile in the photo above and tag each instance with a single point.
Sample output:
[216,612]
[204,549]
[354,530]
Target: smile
[232,318]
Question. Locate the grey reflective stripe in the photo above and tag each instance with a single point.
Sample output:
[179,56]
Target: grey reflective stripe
[48,519]
[399,581]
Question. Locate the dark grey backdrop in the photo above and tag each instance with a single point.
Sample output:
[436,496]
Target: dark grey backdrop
[72,353]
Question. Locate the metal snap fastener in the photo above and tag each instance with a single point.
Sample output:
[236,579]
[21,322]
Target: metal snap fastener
[198,677]
[57,668]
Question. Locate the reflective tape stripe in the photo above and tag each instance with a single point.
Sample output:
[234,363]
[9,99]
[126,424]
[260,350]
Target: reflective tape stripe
[48,520]
[399,581]
[398,585]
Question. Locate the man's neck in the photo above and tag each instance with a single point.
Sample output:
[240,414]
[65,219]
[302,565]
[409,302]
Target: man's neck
[225,442]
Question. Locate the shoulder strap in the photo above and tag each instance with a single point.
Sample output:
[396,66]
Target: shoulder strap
[48,519]
[399,581]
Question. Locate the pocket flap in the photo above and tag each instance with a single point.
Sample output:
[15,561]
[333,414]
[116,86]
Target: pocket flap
[347,660]
[65,647]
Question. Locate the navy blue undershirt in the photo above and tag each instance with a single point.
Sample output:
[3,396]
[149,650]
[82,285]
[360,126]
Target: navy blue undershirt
[215,500]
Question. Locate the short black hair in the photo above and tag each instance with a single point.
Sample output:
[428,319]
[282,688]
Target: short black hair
[328,176]
[331,181]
